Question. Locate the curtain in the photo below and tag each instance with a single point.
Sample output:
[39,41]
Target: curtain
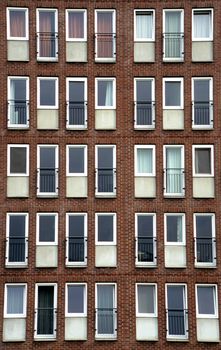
[109,93]
[179,229]
[104,34]
[202,25]
[105,305]
[15,299]
[172,34]
[144,25]
[45,323]
[173,168]
[17,23]
[13,112]
[144,161]
[47,34]
[76,25]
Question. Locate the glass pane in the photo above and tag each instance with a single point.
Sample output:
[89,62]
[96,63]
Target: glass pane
[172,93]
[15,299]
[105,311]
[145,225]
[47,21]
[105,228]
[202,24]
[105,158]
[47,92]
[174,228]
[146,299]
[201,90]
[105,93]
[76,25]
[47,157]
[172,22]
[76,91]
[45,320]
[204,226]
[144,90]
[104,22]
[175,297]
[145,161]
[205,297]
[18,160]
[144,25]
[46,228]
[75,299]
[18,90]
[76,226]
[76,160]
[17,23]
[17,225]
[203,161]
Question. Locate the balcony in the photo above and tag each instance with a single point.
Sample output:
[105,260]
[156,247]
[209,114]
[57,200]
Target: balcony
[106,323]
[146,251]
[205,248]
[18,114]
[144,115]
[173,44]
[177,324]
[105,47]
[45,321]
[17,248]
[76,248]
[105,182]
[47,182]
[174,182]
[202,113]
[47,46]
[77,115]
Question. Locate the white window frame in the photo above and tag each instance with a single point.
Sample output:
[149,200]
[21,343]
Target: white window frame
[76,314]
[178,337]
[24,313]
[9,146]
[103,243]
[84,11]
[210,79]
[181,31]
[25,9]
[194,147]
[205,9]
[183,243]
[106,336]
[106,194]
[143,314]
[113,11]
[153,148]
[215,300]
[85,160]
[46,243]
[56,106]
[152,39]
[46,336]
[113,91]
[84,80]
[174,79]
[77,263]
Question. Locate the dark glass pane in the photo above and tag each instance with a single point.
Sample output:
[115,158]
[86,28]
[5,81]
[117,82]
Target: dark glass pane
[202,161]
[105,158]
[203,226]
[47,92]
[206,300]
[76,160]
[105,228]
[76,91]
[18,160]
[201,90]
[174,228]
[172,93]
[105,93]
[47,157]
[76,226]
[145,225]
[175,297]
[144,91]
[46,228]
[146,299]
[17,225]
[45,321]
[47,21]
[18,90]
[75,299]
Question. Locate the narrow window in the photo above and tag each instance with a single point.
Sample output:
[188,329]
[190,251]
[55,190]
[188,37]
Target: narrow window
[144,104]
[76,25]
[144,160]
[173,37]
[15,300]
[47,228]
[175,228]
[203,160]
[105,229]
[202,26]
[76,238]
[76,160]
[105,170]
[47,34]
[105,35]
[105,93]
[17,23]
[18,160]
[47,180]
[144,22]
[47,93]
[206,298]
[76,102]
[146,300]
[202,110]
[174,171]
[18,102]
[145,239]
[76,300]
[173,93]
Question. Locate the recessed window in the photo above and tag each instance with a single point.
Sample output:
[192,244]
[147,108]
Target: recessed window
[173,93]
[105,170]
[76,160]
[18,102]
[17,23]
[173,35]
[206,301]
[105,93]
[18,160]
[47,164]
[105,229]
[202,102]
[105,35]
[48,93]
[174,170]
[76,239]
[145,239]
[203,161]
[202,24]
[175,228]
[47,34]
[77,103]
[76,25]
[76,299]
[144,160]
[146,301]
[144,103]
[15,300]
[47,227]
[144,23]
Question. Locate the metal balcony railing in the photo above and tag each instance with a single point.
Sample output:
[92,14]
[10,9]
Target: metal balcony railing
[47,45]
[173,44]
[177,323]
[18,113]
[17,249]
[174,182]
[77,114]
[144,114]
[105,46]
[76,249]
[47,180]
[202,113]
[146,249]
[106,322]
[45,322]
[105,180]
[205,249]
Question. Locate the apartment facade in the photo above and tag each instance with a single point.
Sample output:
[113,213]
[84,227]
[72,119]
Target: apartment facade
[110,190]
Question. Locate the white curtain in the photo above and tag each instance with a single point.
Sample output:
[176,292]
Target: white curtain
[109,94]
[144,161]
[105,304]
[179,229]
[12,111]
[173,165]
[15,299]
[145,299]
[172,26]
[202,25]
[144,25]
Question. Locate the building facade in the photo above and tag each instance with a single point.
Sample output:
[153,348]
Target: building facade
[110,178]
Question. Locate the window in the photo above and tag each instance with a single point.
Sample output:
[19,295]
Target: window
[47,34]
[144,103]
[173,36]
[45,311]
[177,313]
[47,179]
[203,160]
[47,93]
[145,238]
[205,241]
[77,103]
[202,25]
[144,25]
[106,229]
[206,301]
[17,23]
[18,102]
[174,170]
[76,160]
[146,300]
[76,299]
[17,239]
[15,300]
[174,229]
[47,228]
[105,170]
[144,160]
[106,311]
[105,93]
[76,25]
[18,160]
[202,102]
[76,239]
[105,35]
[173,93]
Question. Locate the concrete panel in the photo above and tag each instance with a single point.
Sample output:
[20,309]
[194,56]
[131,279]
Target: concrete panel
[76,328]
[175,256]
[105,119]
[17,186]
[14,329]
[144,52]
[76,51]
[18,50]
[48,119]
[76,186]
[46,256]
[173,119]
[145,187]
[202,51]
[208,329]
[147,328]
[105,256]
[203,187]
